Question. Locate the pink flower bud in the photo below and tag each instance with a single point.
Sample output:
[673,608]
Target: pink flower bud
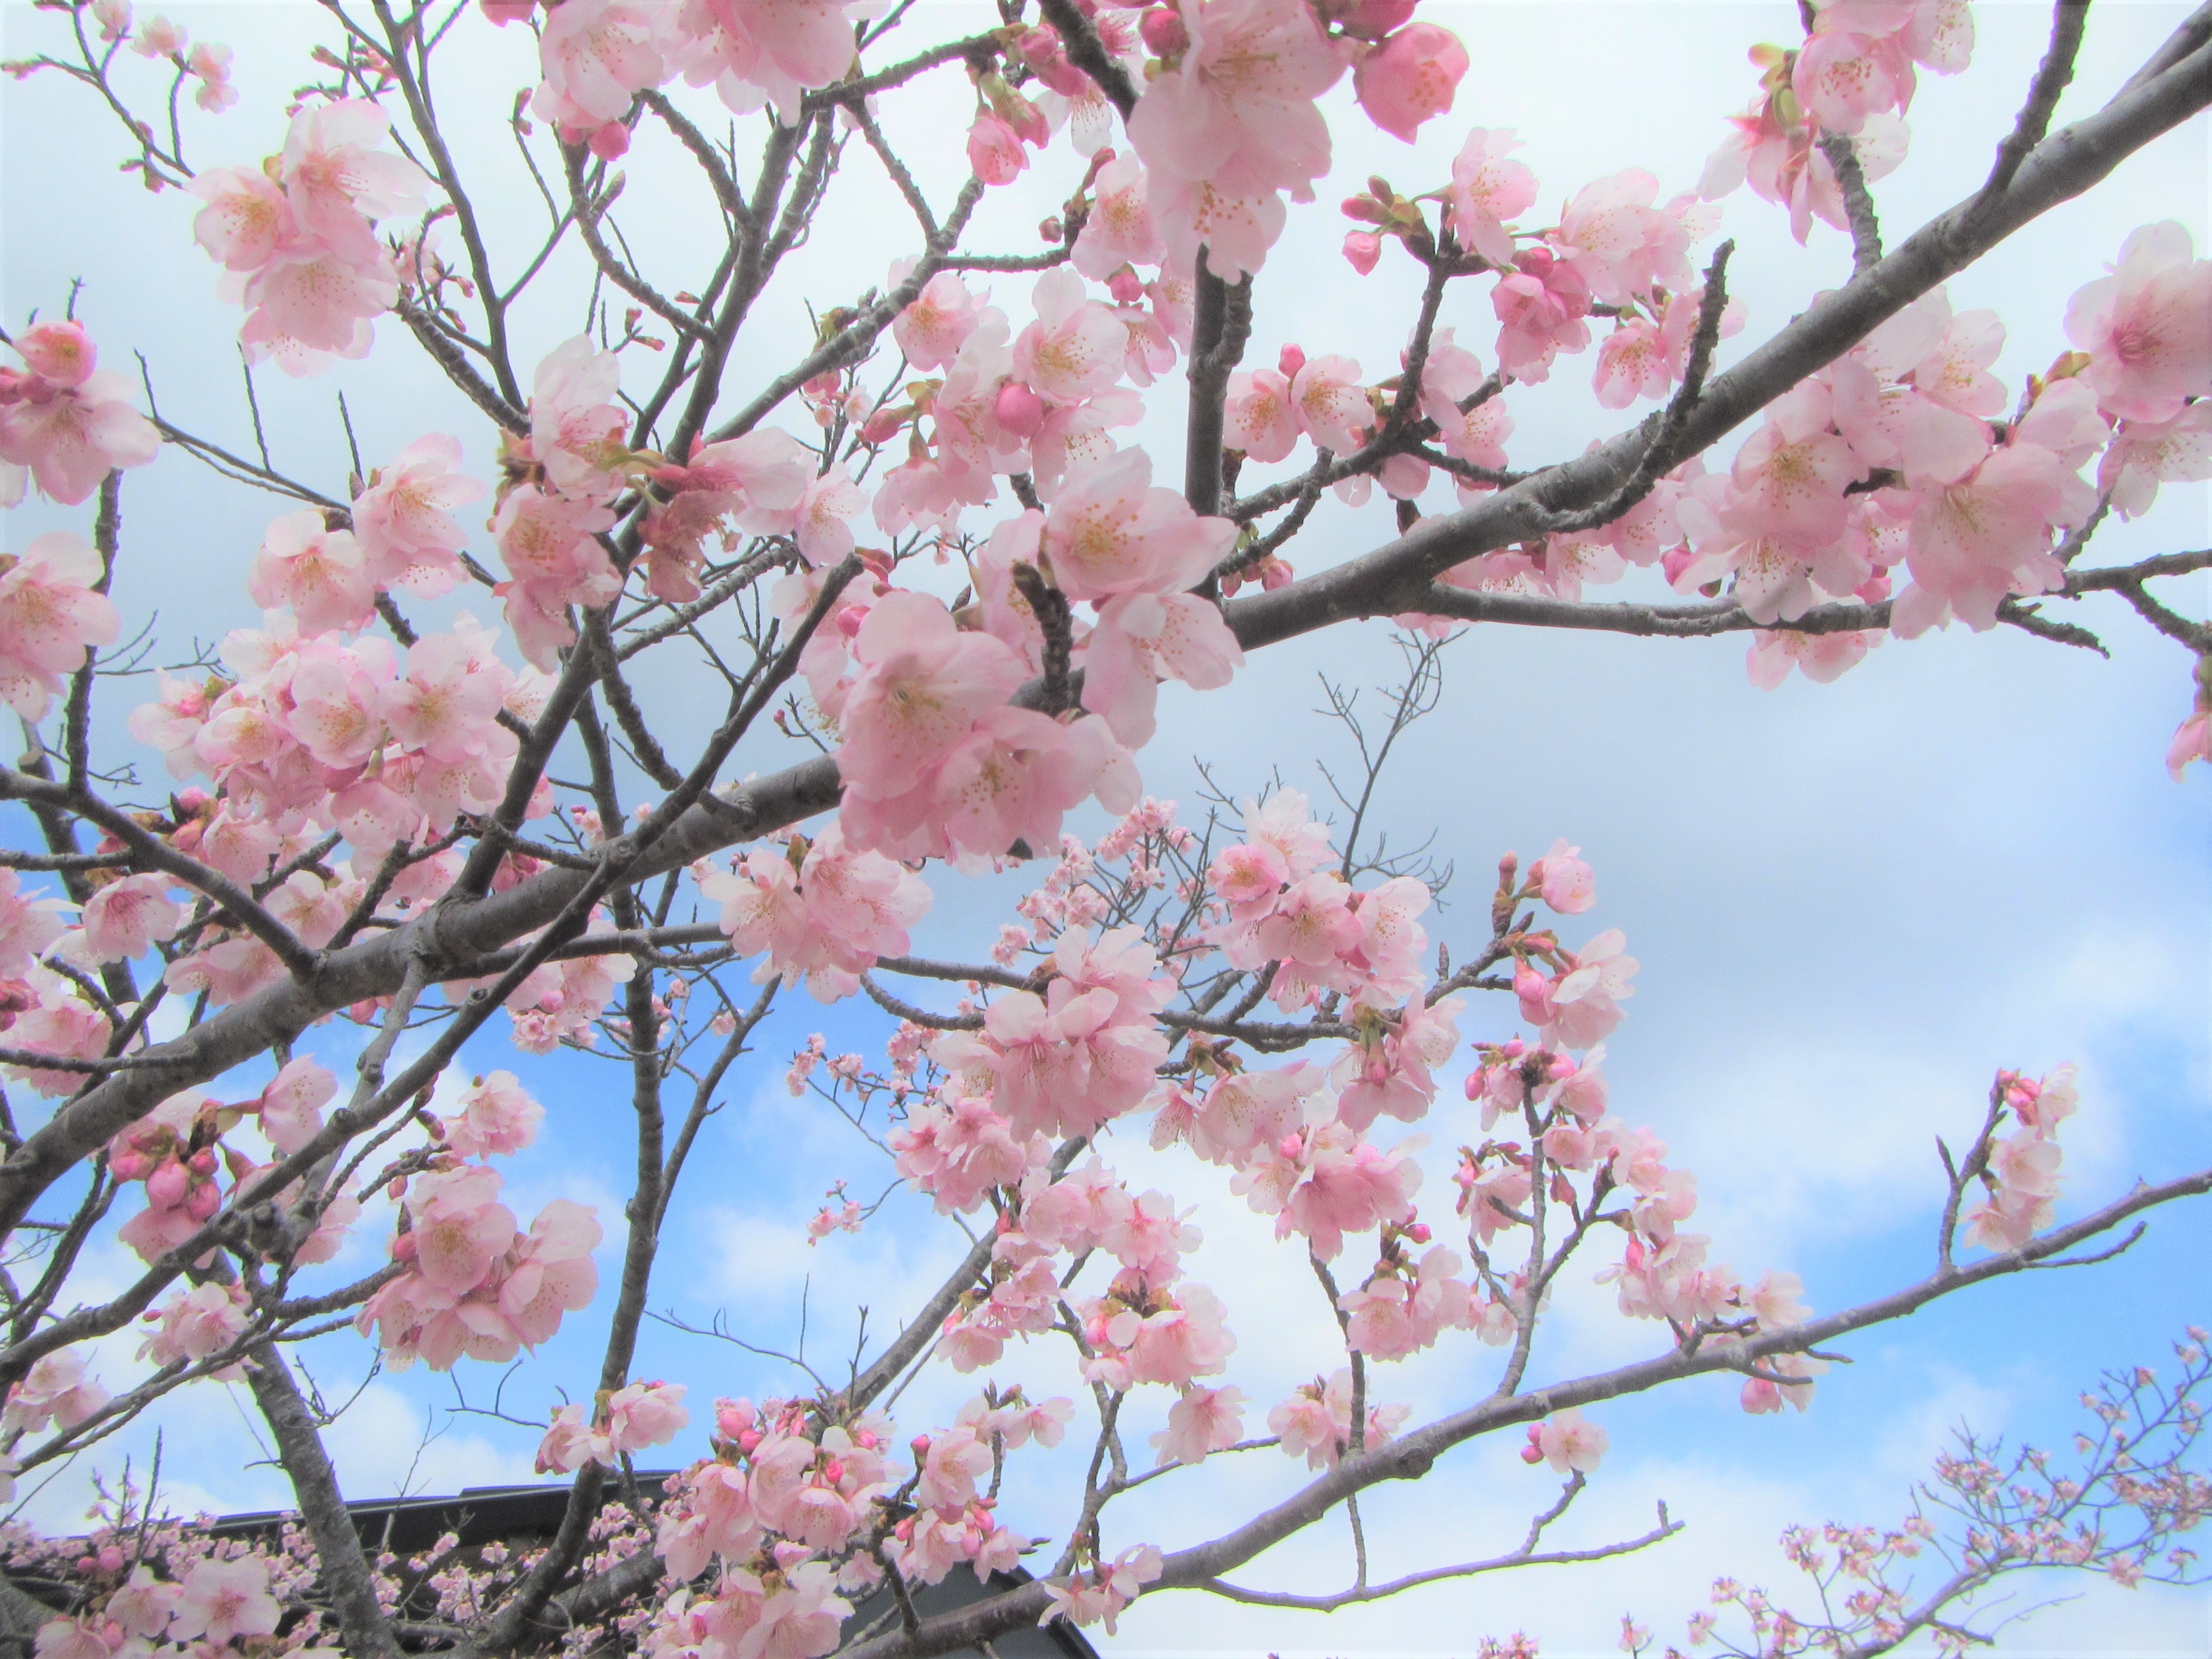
[1164,33]
[203,1200]
[1533,1451]
[1370,20]
[1674,561]
[165,1187]
[1276,573]
[202,1161]
[609,141]
[1019,410]
[1126,285]
[111,1558]
[748,1440]
[883,426]
[1362,248]
[1419,1232]
[1293,359]
[129,1164]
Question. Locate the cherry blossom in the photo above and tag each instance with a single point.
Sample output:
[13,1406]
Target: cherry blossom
[1566,1442]
[1203,1420]
[402,521]
[1237,112]
[1489,190]
[2147,327]
[220,1600]
[1410,78]
[68,421]
[318,571]
[50,620]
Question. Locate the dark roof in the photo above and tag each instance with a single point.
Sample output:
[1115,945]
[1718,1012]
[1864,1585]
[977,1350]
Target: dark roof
[484,1515]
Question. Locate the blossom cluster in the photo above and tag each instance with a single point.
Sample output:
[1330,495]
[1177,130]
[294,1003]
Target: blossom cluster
[471,1282]
[296,236]
[795,1510]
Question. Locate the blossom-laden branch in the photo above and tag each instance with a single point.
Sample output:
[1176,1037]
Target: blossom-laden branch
[390,810]
[1989,1514]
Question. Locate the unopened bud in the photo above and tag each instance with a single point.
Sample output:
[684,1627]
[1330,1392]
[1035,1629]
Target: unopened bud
[1019,410]
[1164,33]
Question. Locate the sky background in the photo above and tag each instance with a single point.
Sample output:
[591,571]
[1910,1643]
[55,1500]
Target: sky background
[1852,902]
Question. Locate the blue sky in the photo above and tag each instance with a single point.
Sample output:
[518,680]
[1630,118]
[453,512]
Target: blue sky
[1852,902]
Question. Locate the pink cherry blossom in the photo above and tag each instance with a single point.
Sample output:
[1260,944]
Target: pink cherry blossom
[248,218]
[1585,1001]
[1989,535]
[69,423]
[2191,741]
[1567,1442]
[336,179]
[1488,190]
[995,153]
[124,919]
[1259,418]
[1565,880]
[54,1390]
[291,1106]
[1540,303]
[28,926]
[318,571]
[49,619]
[309,305]
[932,330]
[194,1323]
[1619,242]
[551,549]
[1141,639]
[921,685]
[498,1117]
[211,65]
[1842,78]
[1073,350]
[576,428]
[158,37]
[1112,531]
[1194,215]
[596,55]
[2147,327]
[643,1414]
[1821,657]
[402,520]
[1203,1420]
[459,1227]
[1410,77]
[756,53]
[1119,229]
[2147,453]
[222,1601]
[1238,112]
